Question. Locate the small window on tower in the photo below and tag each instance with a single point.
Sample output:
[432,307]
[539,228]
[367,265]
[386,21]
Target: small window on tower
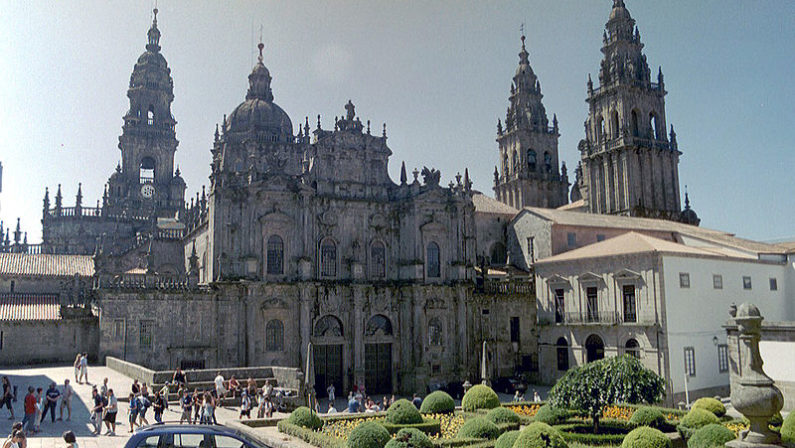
[547,162]
[147,170]
[150,115]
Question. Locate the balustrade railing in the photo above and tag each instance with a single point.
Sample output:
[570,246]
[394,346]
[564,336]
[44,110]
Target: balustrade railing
[507,287]
[145,281]
[595,317]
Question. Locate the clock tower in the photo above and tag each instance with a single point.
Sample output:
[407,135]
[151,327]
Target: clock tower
[145,181]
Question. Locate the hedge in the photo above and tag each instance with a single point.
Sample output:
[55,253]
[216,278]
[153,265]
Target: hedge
[788,429]
[368,435]
[438,402]
[478,427]
[645,437]
[480,396]
[711,405]
[502,415]
[305,417]
[403,412]
[711,436]
[410,438]
[468,442]
[507,439]
[646,416]
[429,426]
[694,420]
[587,437]
[551,416]
[538,435]
[309,436]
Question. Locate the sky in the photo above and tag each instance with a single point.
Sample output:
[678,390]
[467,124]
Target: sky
[438,73]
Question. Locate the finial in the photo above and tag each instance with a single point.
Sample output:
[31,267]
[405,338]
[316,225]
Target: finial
[368,127]
[155,11]
[318,121]
[260,46]
[467,182]
[416,174]
[383,134]
[521,29]
[176,173]
[687,199]
[403,177]
[216,132]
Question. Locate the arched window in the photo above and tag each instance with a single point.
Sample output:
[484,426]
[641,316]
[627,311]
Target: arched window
[378,260]
[274,336]
[614,124]
[655,131]
[275,255]
[146,172]
[378,325]
[531,160]
[600,128]
[328,326]
[498,254]
[635,123]
[547,162]
[328,258]
[563,354]
[432,260]
[515,164]
[435,332]
[594,348]
[150,115]
[505,165]
[633,348]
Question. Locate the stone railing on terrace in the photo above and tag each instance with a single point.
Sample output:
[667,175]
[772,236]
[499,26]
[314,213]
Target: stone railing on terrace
[93,212]
[524,286]
[595,318]
[24,248]
[146,281]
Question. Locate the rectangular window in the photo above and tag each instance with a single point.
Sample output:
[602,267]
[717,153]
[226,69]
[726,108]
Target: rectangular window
[690,361]
[571,239]
[773,284]
[723,358]
[560,307]
[630,312]
[717,281]
[592,295]
[684,280]
[118,329]
[146,334]
[515,329]
[746,282]
[600,237]
[531,250]
[1,339]
[328,259]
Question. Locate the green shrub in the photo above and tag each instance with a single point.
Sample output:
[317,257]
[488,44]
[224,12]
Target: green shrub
[480,396]
[697,418]
[647,416]
[429,426]
[478,428]
[611,432]
[502,415]
[410,438]
[305,418]
[368,435]
[507,439]
[710,436]
[788,429]
[439,402]
[403,412]
[310,436]
[538,435]
[551,416]
[711,405]
[645,437]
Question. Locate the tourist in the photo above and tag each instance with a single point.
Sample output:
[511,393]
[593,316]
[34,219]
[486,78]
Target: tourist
[245,405]
[66,401]
[353,405]
[251,386]
[16,440]
[8,397]
[17,426]
[187,405]
[143,406]
[164,392]
[135,388]
[29,421]
[103,391]
[39,409]
[516,396]
[197,399]
[234,386]
[331,392]
[220,390]
[179,378]
[331,408]
[213,405]
[536,397]
[391,400]
[268,407]
[267,389]
[132,412]
[260,404]
[417,401]
[111,409]
[96,411]
[84,367]
[158,407]
[385,403]
[52,401]
[70,439]
[77,367]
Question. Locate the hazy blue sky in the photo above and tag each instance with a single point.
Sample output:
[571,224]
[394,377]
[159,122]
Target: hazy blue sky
[437,72]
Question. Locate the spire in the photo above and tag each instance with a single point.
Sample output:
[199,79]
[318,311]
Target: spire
[153,35]
[467,182]
[524,55]
[46,202]
[79,197]
[403,177]
[17,234]
[58,201]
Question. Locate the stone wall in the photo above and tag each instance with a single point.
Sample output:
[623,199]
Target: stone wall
[47,341]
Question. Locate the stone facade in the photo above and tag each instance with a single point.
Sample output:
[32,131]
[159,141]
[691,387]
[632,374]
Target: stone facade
[528,173]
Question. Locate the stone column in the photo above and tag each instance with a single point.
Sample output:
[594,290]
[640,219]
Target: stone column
[358,336]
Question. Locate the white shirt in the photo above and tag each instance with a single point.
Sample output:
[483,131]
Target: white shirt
[67,392]
[84,362]
[219,382]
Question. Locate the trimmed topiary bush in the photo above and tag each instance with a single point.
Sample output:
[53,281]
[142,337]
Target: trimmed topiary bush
[480,396]
[711,405]
[540,435]
[368,435]
[645,437]
[646,416]
[549,415]
[694,420]
[439,402]
[788,429]
[410,438]
[507,439]
[305,418]
[403,412]
[502,415]
[478,428]
[711,436]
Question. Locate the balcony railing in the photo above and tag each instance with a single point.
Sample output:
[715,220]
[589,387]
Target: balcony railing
[506,287]
[145,281]
[596,318]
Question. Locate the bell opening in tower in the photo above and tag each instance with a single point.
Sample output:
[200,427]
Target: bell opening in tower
[146,173]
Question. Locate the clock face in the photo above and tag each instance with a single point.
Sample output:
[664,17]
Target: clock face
[147,191]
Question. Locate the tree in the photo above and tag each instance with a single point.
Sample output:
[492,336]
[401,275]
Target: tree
[595,385]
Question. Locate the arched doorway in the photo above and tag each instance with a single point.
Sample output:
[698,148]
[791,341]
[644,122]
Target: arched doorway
[327,353]
[563,354]
[378,355]
[632,348]
[594,348]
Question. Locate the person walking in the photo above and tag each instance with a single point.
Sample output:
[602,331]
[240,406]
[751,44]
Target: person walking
[29,421]
[96,410]
[84,367]
[132,412]
[331,393]
[111,409]
[39,408]
[260,404]
[52,396]
[187,406]
[66,401]
[103,390]
[70,439]
[220,390]
[143,405]
[16,440]
[245,406]
[8,397]
[77,367]
[179,378]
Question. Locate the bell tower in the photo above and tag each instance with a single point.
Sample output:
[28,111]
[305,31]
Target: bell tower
[145,182]
[528,174]
[629,165]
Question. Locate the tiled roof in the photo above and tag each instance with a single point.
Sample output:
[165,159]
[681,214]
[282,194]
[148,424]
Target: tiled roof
[485,204]
[46,265]
[16,307]
[576,206]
